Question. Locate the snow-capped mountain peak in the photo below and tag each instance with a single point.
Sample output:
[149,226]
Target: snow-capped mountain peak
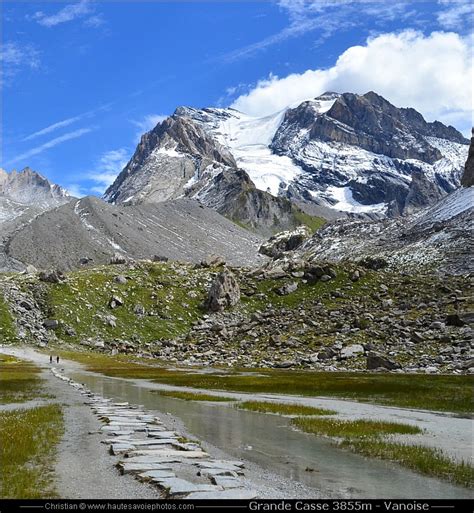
[346,152]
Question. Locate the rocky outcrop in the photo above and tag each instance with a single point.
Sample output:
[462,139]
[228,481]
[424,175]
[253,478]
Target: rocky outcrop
[224,292]
[467,179]
[437,237]
[233,194]
[165,160]
[30,188]
[285,241]
[422,192]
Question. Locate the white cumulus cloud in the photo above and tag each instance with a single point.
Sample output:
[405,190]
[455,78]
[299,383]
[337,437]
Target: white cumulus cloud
[431,73]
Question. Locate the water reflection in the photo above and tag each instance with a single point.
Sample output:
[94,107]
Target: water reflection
[268,441]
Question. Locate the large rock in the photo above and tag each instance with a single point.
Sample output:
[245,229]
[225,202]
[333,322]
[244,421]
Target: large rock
[224,292]
[284,241]
[467,179]
[352,350]
[377,361]
[52,276]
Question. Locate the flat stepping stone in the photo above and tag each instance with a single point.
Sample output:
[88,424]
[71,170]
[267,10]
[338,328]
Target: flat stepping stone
[154,475]
[223,465]
[162,434]
[127,423]
[125,419]
[212,472]
[237,493]
[124,427]
[175,486]
[116,431]
[155,459]
[186,446]
[139,443]
[128,468]
[227,482]
[120,448]
[166,453]
[126,448]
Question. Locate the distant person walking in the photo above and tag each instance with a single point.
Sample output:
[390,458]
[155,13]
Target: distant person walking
[51,358]
[57,359]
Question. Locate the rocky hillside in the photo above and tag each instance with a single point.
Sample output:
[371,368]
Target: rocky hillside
[436,238]
[179,159]
[27,189]
[91,232]
[287,313]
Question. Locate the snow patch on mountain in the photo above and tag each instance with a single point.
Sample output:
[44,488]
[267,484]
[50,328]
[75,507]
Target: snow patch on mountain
[345,202]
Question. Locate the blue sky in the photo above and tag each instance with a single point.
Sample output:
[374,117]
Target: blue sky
[82,80]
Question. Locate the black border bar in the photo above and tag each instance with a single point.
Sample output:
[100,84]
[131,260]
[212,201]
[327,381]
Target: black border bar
[258,505]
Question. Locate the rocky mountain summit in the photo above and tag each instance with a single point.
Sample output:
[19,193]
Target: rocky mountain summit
[334,155]
[27,189]
[179,159]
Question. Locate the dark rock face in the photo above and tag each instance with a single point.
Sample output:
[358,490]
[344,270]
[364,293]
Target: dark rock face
[233,194]
[467,179]
[372,123]
[401,145]
[422,192]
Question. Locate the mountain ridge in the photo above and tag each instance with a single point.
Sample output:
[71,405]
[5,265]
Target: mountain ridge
[353,154]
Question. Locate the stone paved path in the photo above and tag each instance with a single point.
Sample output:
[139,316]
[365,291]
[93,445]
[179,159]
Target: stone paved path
[144,448]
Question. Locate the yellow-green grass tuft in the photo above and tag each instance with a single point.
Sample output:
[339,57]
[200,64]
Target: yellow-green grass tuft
[28,439]
[283,408]
[192,396]
[353,428]
[426,460]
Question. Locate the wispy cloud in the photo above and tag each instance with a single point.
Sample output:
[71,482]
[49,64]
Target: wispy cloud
[15,56]
[147,123]
[75,189]
[66,122]
[456,14]
[50,144]
[53,127]
[326,17]
[69,13]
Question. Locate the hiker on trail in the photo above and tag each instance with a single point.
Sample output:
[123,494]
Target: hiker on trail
[57,359]
[51,358]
